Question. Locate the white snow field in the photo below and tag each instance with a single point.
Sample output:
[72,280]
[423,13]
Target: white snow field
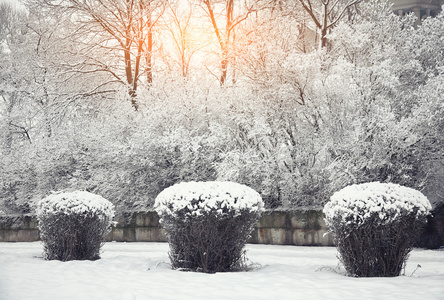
[129,271]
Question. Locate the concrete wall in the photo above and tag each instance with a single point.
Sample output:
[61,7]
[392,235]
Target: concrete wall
[275,227]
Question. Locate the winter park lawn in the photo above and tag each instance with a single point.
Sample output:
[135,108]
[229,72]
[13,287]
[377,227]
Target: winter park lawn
[141,271]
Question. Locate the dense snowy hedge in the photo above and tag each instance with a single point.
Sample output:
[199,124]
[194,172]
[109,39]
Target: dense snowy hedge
[375,225]
[197,198]
[355,204]
[208,224]
[78,202]
[74,225]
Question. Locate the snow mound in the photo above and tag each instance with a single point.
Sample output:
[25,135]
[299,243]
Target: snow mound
[357,203]
[77,202]
[198,198]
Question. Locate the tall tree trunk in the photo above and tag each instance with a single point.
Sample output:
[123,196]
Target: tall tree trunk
[149,58]
[324,26]
[128,65]
[149,51]
[224,66]
[44,101]
[224,44]
[132,88]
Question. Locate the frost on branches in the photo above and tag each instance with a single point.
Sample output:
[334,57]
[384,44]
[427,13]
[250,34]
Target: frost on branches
[197,198]
[357,203]
[73,226]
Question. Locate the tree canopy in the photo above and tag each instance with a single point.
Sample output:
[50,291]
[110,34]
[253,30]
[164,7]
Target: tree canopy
[125,98]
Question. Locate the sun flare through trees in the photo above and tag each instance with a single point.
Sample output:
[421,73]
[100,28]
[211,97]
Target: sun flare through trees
[296,99]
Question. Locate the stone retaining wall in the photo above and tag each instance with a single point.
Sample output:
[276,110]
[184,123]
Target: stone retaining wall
[304,227]
[21,228]
[138,227]
[297,227]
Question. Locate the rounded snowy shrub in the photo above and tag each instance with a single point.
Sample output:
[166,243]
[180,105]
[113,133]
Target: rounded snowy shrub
[73,225]
[208,224]
[375,226]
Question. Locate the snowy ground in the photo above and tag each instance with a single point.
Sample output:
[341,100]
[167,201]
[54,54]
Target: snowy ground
[141,271]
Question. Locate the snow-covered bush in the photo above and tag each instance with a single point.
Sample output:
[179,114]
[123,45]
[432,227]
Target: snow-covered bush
[375,226]
[208,223]
[73,225]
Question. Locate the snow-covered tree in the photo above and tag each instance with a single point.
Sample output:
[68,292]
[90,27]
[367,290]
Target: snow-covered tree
[225,18]
[113,38]
[326,14]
